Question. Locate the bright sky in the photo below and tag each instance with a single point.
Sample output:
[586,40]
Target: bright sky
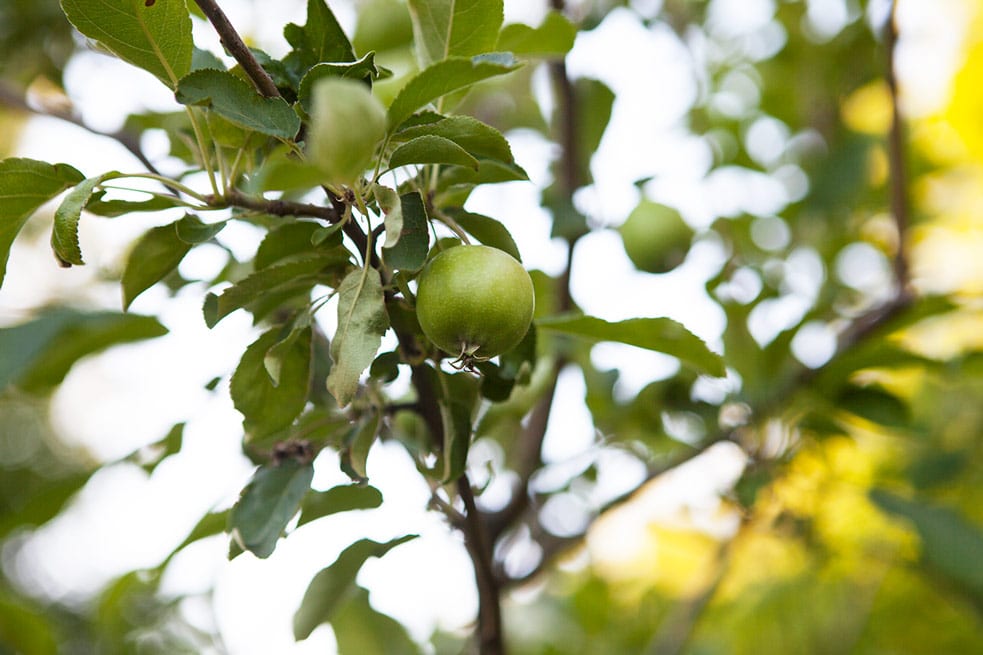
[130,396]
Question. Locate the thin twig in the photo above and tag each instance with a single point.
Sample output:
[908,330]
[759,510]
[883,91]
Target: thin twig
[896,156]
[237,48]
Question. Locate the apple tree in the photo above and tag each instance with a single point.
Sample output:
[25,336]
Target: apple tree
[356,156]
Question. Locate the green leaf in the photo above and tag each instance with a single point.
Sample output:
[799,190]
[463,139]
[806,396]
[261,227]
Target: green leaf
[211,524]
[234,99]
[25,509]
[114,208]
[360,69]
[443,77]
[291,241]
[392,210]
[950,544]
[385,367]
[479,139]
[874,404]
[334,584]
[431,149]
[458,400]
[553,38]
[489,171]
[341,498]
[154,36]
[150,456]
[65,233]
[153,257]
[361,630]
[355,451]
[298,273]
[446,28]
[410,250]
[659,334]
[193,230]
[267,504]
[25,629]
[594,102]
[38,354]
[25,185]
[267,408]
[362,321]
[320,39]
[486,230]
[281,350]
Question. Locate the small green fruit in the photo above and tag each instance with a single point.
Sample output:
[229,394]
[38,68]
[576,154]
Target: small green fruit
[347,124]
[656,238]
[474,302]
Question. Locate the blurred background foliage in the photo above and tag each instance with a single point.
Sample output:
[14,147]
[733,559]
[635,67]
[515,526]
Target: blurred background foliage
[856,525]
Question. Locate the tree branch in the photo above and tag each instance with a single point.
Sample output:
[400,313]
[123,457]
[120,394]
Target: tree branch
[237,48]
[896,158]
[235,198]
[490,637]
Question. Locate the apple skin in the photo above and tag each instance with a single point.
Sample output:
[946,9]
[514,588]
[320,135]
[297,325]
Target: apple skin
[474,302]
[655,237]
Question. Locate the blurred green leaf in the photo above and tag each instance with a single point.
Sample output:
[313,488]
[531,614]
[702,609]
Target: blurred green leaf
[876,405]
[659,334]
[38,354]
[361,630]
[553,38]
[341,498]
[335,584]
[383,25]
[950,544]
[25,630]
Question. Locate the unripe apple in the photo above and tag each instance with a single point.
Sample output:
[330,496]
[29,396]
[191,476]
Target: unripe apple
[474,302]
[655,237]
[347,124]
